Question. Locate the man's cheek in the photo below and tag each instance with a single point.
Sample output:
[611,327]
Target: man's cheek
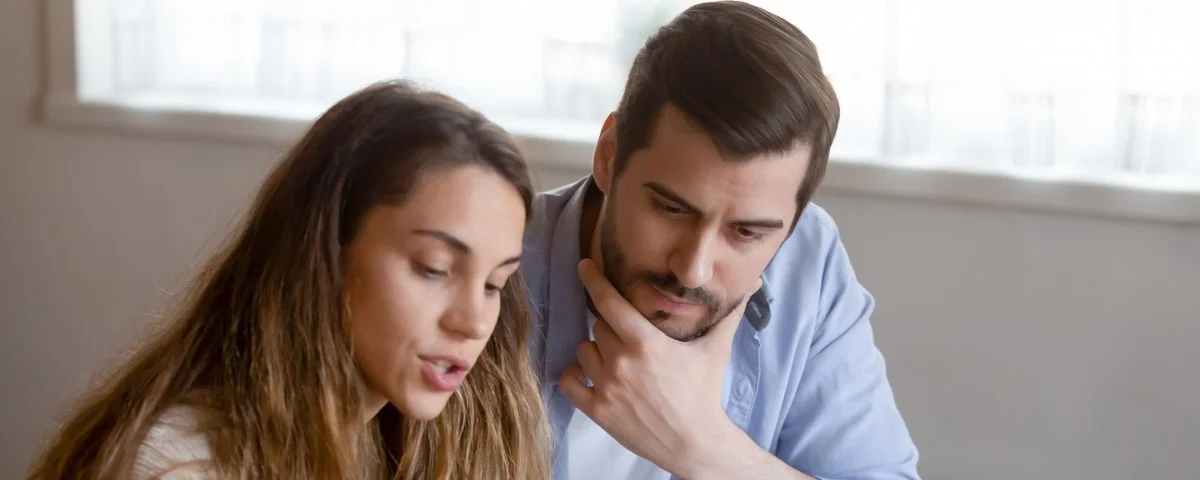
[645,238]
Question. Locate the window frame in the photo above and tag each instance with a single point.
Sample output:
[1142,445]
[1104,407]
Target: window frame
[64,106]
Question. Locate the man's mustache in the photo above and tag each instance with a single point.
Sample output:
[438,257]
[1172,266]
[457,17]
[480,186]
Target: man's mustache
[669,283]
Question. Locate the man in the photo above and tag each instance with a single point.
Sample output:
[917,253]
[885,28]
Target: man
[694,212]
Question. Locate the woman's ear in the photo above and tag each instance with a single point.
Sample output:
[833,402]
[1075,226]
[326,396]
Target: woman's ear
[606,153]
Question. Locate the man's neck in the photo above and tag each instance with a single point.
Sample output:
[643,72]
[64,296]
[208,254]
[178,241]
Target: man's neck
[589,224]
[589,230]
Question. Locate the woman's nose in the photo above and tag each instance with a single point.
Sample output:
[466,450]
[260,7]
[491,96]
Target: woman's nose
[467,318]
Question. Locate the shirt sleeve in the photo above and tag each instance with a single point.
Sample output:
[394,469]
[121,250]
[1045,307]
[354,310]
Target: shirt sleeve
[843,423]
[175,449]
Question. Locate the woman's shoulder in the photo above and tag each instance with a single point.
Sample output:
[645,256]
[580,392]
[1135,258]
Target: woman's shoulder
[176,447]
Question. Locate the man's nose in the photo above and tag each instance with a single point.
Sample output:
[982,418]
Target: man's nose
[692,261]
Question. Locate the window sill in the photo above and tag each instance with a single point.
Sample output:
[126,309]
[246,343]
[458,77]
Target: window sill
[572,152]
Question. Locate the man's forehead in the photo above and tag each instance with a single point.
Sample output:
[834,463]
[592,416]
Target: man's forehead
[719,193]
[675,132]
[691,168]
[684,159]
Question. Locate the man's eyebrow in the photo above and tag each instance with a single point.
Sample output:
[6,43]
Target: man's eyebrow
[459,245]
[765,223]
[662,191]
[666,193]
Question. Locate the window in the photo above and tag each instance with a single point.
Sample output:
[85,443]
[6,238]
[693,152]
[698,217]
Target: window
[1104,91]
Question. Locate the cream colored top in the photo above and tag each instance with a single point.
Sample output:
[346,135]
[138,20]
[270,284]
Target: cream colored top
[175,448]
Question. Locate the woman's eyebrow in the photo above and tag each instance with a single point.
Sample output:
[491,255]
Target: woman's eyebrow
[457,244]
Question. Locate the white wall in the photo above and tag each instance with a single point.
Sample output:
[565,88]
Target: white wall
[1021,345]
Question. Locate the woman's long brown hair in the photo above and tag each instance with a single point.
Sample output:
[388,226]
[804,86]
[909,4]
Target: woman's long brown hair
[261,338]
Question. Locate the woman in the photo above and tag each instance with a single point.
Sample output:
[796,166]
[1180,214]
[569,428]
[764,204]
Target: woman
[377,267]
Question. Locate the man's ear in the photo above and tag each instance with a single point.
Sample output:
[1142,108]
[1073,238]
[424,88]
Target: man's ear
[605,156]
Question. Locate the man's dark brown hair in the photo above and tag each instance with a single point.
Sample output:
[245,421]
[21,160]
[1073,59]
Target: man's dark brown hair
[750,79]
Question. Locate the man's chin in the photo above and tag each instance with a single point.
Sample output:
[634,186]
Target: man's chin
[681,329]
[684,324]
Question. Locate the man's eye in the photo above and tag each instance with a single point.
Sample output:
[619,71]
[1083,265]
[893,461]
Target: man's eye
[748,234]
[672,209]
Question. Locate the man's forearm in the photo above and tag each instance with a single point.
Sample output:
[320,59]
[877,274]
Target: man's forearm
[732,454]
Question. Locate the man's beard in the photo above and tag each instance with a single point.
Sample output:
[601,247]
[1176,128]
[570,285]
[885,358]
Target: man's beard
[617,270]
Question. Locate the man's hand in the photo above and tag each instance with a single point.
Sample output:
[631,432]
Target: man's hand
[657,396]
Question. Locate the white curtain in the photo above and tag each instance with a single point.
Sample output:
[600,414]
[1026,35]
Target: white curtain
[1091,89]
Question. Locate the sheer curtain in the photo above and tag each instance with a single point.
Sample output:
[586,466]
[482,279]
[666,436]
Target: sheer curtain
[1082,89]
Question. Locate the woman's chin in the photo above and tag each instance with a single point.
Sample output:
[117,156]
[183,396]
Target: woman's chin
[423,407]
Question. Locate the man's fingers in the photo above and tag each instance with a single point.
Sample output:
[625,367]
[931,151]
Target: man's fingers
[573,387]
[625,320]
[607,340]
[590,359]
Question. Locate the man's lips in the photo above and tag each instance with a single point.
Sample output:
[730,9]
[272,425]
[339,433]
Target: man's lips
[670,302]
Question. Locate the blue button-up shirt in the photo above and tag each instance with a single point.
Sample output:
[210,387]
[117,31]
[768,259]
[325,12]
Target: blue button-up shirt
[805,380]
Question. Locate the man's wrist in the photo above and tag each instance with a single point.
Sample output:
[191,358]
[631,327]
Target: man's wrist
[717,452]
[727,452]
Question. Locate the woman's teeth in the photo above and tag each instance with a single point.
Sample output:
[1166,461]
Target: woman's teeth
[442,366]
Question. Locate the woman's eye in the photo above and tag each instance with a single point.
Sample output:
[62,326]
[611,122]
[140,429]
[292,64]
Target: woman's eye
[430,272]
[491,290]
